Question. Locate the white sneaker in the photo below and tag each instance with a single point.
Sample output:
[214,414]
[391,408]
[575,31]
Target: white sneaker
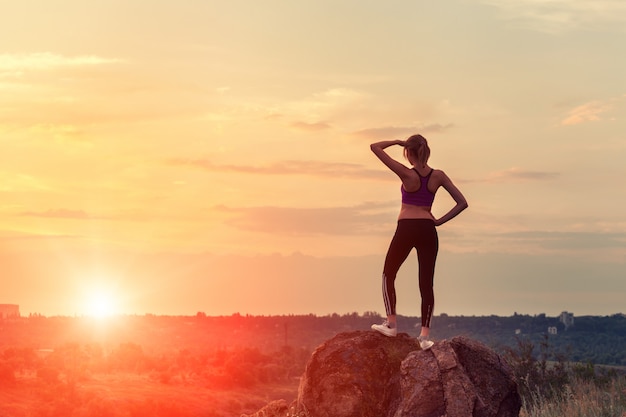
[425,344]
[385,329]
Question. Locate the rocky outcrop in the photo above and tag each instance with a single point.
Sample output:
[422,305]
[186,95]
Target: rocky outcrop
[366,374]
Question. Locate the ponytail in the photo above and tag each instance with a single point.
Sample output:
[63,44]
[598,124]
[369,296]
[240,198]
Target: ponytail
[417,146]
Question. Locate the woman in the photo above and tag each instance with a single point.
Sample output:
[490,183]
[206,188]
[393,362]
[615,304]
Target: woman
[416,227]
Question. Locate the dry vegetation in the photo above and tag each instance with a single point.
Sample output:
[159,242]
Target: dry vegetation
[123,394]
[227,366]
[562,388]
[151,366]
[580,398]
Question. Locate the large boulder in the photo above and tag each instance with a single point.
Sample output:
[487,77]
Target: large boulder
[460,377]
[354,374]
[365,374]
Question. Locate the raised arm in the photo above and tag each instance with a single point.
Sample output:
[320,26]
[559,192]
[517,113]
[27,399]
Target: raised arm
[455,193]
[379,150]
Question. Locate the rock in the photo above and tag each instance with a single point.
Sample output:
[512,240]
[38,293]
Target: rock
[275,408]
[354,374]
[460,377]
[366,374]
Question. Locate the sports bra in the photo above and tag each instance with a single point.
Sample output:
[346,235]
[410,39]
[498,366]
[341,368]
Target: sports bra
[421,197]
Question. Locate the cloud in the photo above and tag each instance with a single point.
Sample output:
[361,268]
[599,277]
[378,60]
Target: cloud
[47,60]
[16,181]
[59,214]
[390,132]
[312,168]
[76,215]
[569,240]
[588,112]
[13,236]
[325,105]
[38,95]
[367,218]
[80,215]
[556,16]
[517,174]
[325,102]
[338,94]
[311,127]
[467,284]
[62,132]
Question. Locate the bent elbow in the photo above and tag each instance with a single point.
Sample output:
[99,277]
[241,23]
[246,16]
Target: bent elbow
[374,147]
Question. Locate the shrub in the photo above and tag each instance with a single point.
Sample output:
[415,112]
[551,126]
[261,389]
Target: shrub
[48,374]
[7,375]
[580,398]
[537,374]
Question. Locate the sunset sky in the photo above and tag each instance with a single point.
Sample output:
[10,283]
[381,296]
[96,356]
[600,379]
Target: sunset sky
[171,157]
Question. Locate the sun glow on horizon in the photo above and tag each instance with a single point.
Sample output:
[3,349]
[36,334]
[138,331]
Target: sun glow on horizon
[101,302]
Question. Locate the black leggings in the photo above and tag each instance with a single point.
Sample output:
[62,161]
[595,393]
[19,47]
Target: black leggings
[421,235]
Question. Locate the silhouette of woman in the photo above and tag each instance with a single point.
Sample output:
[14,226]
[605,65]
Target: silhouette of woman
[416,227]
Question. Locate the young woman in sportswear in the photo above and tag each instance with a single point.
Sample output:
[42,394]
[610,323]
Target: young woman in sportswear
[416,227]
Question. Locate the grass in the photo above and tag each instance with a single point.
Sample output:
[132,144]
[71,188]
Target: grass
[132,395]
[580,398]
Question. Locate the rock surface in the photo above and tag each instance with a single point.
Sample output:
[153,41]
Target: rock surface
[366,374]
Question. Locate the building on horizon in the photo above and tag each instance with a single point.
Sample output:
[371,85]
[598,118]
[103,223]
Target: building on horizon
[567,319]
[9,311]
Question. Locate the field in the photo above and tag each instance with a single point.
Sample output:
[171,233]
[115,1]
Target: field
[202,366]
[134,395]
[580,399]
[139,366]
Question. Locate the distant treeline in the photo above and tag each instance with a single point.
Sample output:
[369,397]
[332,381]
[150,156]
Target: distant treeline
[590,339]
[598,340]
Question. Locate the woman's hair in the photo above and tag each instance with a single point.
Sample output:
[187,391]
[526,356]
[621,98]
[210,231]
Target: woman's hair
[417,146]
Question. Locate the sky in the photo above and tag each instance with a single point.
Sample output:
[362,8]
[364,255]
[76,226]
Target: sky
[175,157]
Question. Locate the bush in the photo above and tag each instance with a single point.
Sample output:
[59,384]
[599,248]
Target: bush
[7,375]
[48,374]
[537,374]
[561,388]
[580,398]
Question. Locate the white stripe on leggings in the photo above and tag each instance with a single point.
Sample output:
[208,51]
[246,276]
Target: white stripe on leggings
[386,296]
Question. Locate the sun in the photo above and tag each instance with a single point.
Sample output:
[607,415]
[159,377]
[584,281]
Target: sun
[101,302]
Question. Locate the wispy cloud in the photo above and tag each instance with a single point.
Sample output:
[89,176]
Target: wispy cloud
[78,214]
[311,127]
[17,181]
[518,174]
[570,240]
[61,132]
[590,112]
[48,60]
[391,132]
[368,218]
[10,235]
[325,102]
[313,111]
[556,16]
[312,168]
[59,214]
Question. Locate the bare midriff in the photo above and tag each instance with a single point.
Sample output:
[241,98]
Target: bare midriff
[409,211]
